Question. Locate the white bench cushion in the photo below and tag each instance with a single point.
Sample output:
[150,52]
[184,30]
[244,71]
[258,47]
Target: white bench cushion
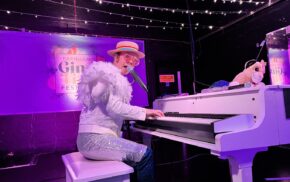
[81,168]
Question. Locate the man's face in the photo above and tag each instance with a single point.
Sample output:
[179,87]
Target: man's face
[125,59]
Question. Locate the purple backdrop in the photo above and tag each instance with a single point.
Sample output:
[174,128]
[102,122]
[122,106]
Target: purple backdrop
[39,72]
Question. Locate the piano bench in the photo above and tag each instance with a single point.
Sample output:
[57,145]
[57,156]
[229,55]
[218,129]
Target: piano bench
[80,169]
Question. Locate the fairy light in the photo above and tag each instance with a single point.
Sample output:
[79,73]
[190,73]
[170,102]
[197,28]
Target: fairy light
[242,1]
[179,25]
[110,13]
[62,18]
[83,34]
[172,10]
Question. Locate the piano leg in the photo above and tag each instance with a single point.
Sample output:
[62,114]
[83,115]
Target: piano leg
[241,163]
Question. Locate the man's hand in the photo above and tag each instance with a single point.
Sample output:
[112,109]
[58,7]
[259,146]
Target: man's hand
[154,113]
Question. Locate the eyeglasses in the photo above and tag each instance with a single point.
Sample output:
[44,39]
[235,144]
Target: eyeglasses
[131,59]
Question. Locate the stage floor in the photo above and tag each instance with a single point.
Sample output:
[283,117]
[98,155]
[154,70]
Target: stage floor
[174,163]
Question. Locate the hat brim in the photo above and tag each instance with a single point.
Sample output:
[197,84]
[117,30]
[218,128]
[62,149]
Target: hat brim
[114,51]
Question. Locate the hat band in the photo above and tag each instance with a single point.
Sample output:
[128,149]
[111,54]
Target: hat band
[126,49]
[133,47]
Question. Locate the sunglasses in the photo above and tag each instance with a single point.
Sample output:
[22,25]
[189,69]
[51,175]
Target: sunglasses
[131,59]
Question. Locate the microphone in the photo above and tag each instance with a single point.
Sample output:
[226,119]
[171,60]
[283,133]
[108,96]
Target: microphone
[137,78]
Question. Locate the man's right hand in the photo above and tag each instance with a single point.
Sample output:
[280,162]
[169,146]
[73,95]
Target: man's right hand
[154,113]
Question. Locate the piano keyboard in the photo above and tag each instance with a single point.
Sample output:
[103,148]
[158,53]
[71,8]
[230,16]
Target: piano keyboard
[200,127]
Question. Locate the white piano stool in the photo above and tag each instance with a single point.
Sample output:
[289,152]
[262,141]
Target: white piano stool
[80,169]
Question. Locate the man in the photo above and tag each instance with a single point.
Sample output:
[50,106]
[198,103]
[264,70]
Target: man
[106,93]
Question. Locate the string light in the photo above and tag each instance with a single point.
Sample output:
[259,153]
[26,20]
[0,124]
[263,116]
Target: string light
[186,11]
[241,2]
[86,35]
[181,26]
[169,24]
[116,14]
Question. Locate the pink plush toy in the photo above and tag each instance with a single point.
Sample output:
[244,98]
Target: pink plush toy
[253,74]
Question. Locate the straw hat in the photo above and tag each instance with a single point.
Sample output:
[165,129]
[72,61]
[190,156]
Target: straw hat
[126,46]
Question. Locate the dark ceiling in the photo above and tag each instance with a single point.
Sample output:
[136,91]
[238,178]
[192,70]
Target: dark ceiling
[142,19]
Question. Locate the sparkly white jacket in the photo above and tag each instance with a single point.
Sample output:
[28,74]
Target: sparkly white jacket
[105,94]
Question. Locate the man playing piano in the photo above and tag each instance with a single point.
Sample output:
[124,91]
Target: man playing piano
[105,94]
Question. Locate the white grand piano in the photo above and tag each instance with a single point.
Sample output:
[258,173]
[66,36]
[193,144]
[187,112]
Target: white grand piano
[232,124]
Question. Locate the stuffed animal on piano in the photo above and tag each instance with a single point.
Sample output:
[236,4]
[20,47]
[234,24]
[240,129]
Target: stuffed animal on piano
[253,74]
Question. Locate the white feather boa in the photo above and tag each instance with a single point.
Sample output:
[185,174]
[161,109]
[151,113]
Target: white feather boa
[118,84]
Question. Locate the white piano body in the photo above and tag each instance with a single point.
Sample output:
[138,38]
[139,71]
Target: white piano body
[261,119]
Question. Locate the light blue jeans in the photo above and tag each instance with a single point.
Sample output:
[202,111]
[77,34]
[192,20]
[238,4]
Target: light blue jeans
[108,147]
